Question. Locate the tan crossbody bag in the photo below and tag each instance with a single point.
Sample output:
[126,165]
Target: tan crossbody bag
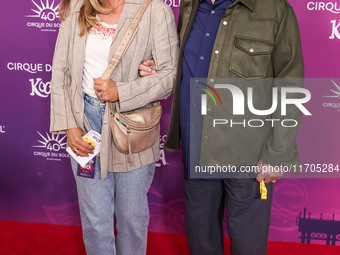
[137,130]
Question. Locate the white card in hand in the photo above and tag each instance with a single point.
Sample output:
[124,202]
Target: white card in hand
[92,138]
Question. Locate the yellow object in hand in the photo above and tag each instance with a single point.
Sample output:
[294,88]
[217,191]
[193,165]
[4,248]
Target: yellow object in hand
[263,190]
[87,140]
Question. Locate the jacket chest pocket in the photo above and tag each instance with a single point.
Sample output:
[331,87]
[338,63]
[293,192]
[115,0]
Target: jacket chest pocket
[250,57]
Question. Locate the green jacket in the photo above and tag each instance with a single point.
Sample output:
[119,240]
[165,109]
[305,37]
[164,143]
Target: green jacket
[255,39]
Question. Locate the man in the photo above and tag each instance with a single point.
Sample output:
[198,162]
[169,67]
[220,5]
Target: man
[244,39]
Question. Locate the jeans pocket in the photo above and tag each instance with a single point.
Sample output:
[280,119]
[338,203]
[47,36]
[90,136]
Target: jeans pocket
[93,113]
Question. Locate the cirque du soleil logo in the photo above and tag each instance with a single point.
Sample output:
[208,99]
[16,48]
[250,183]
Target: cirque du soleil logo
[45,16]
[332,102]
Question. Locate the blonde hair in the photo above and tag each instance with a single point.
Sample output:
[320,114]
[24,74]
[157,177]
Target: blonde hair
[87,18]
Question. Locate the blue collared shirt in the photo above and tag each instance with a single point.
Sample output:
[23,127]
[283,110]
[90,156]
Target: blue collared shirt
[196,59]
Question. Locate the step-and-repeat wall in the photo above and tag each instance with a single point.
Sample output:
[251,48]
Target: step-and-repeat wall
[36,182]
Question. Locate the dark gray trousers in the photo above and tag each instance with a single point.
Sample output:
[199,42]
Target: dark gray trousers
[248,216]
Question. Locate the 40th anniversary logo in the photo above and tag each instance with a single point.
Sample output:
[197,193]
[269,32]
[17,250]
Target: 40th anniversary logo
[51,147]
[44,16]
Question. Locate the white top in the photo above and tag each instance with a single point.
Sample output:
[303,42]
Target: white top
[99,40]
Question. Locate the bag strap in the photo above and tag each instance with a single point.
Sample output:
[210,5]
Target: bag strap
[125,41]
[122,46]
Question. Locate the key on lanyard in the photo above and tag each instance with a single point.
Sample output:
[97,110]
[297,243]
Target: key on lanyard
[263,190]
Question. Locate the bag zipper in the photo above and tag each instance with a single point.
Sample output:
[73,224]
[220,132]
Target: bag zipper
[129,128]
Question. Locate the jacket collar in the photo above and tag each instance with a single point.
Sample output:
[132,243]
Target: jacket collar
[250,4]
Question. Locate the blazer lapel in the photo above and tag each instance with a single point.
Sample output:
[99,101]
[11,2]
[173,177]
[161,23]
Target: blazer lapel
[129,10]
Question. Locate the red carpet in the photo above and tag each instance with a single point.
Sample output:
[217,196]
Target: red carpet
[34,239]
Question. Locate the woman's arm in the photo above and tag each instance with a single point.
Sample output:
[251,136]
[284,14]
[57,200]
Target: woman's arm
[61,116]
[144,90]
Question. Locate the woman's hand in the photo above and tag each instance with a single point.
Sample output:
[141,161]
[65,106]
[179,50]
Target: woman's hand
[146,68]
[76,142]
[107,89]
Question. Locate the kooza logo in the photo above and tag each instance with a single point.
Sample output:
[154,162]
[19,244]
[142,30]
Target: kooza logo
[40,88]
[46,12]
[162,160]
[335,29]
[2,129]
[52,143]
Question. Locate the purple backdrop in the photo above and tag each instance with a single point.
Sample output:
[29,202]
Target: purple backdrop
[36,182]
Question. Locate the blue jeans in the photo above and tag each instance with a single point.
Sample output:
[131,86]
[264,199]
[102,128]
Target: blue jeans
[123,195]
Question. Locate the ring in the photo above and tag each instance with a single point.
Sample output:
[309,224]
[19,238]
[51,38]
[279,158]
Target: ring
[98,94]
[76,150]
[273,181]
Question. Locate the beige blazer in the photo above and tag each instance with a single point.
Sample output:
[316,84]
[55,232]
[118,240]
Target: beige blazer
[155,37]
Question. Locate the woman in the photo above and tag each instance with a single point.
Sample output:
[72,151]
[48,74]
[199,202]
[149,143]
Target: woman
[89,35]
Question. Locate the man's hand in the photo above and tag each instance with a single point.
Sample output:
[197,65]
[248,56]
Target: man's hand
[76,142]
[268,173]
[107,89]
[146,68]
